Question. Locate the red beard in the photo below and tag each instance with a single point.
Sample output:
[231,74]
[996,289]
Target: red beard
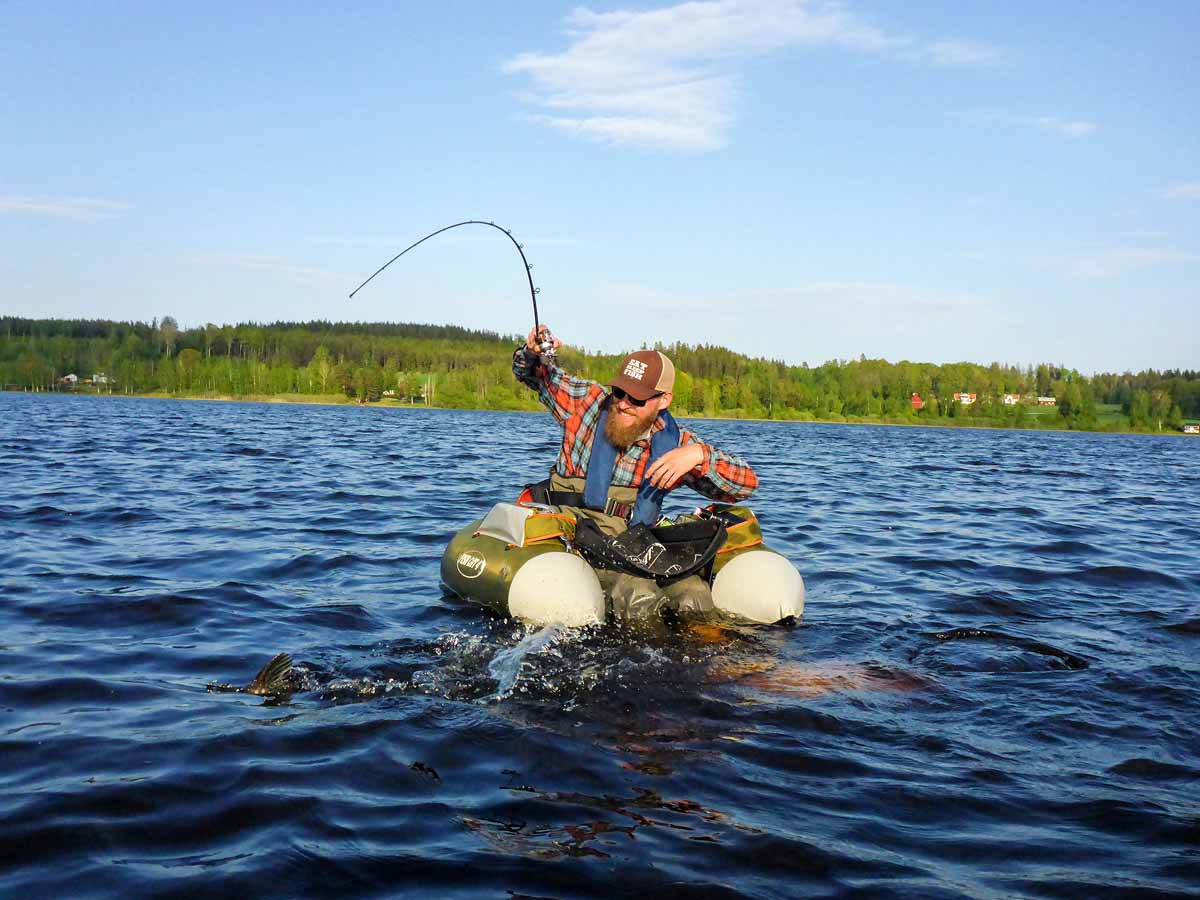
[622,431]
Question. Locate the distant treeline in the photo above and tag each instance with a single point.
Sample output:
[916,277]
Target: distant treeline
[461,368]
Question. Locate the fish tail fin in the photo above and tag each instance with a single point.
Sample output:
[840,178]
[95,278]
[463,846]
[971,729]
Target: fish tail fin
[271,679]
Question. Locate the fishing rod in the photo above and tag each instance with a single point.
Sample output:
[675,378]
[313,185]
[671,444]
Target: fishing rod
[545,340]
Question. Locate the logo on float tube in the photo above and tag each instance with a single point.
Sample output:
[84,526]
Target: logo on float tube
[471,564]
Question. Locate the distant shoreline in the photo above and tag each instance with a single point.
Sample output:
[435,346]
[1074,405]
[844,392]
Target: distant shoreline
[330,400]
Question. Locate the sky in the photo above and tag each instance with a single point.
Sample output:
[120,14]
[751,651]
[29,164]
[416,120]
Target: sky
[1016,182]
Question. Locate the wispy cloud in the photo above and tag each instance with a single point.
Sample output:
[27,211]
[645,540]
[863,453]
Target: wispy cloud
[1117,262]
[669,77]
[1067,128]
[1073,128]
[79,208]
[1186,191]
[814,321]
[956,53]
[274,266]
[866,298]
[482,235]
[1112,263]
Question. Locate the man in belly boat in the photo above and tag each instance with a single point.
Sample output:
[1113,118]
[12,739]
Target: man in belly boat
[626,430]
[621,453]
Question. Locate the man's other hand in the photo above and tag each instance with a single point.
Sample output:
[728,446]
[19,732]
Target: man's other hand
[669,468]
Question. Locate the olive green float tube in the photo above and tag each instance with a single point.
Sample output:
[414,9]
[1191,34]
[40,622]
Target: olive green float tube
[540,583]
[544,583]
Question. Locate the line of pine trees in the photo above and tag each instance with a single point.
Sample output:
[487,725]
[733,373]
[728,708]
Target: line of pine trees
[461,368]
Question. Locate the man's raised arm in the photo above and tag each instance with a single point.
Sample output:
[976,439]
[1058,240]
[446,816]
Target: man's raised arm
[561,393]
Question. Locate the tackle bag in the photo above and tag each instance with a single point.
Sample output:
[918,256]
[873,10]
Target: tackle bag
[666,553]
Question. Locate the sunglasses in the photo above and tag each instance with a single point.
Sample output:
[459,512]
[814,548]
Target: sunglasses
[619,394]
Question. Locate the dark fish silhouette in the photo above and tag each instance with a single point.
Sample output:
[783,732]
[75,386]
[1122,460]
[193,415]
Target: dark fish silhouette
[272,680]
[1069,660]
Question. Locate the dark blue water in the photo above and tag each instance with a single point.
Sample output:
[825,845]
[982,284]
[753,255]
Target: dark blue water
[994,691]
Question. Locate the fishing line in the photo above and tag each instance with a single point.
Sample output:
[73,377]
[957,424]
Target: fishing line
[533,291]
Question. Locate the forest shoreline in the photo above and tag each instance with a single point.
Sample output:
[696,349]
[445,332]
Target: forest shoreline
[331,400]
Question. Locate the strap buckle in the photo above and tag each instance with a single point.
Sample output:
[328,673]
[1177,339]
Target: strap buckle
[620,510]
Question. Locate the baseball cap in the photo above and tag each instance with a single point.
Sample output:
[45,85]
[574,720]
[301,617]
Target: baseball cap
[644,374]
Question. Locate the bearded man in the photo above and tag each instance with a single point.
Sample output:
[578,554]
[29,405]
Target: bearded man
[621,449]
[622,452]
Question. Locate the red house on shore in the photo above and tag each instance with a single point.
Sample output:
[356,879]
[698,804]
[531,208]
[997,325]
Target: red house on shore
[917,402]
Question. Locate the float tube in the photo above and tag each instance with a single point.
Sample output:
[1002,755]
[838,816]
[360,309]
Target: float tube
[521,561]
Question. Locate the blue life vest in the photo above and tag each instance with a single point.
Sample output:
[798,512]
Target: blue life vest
[604,461]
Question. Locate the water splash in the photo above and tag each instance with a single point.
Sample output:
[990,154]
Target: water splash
[507,664]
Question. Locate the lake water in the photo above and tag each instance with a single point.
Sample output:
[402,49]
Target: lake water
[993,692]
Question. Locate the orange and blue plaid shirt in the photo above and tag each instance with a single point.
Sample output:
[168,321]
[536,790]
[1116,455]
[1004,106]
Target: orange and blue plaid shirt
[576,404]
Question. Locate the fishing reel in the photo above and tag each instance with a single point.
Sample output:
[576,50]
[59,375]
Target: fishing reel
[546,345]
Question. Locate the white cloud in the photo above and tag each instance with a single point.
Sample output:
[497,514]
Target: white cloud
[858,296]
[395,244]
[1117,262]
[276,267]
[1108,264]
[879,300]
[958,53]
[1069,129]
[1185,191]
[644,130]
[669,77]
[812,321]
[79,208]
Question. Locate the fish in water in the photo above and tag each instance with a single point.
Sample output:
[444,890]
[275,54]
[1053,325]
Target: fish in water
[800,680]
[272,681]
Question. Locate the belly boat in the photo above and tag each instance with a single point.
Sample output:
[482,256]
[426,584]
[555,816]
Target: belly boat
[521,560]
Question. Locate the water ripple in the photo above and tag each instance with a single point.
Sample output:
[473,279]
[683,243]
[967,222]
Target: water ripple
[992,692]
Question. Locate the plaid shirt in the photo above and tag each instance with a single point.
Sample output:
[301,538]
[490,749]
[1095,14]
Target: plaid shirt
[576,403]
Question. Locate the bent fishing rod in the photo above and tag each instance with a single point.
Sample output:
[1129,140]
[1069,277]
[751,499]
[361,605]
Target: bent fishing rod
[546,341]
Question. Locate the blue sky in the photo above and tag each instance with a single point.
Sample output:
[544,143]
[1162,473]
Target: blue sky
[933,181]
